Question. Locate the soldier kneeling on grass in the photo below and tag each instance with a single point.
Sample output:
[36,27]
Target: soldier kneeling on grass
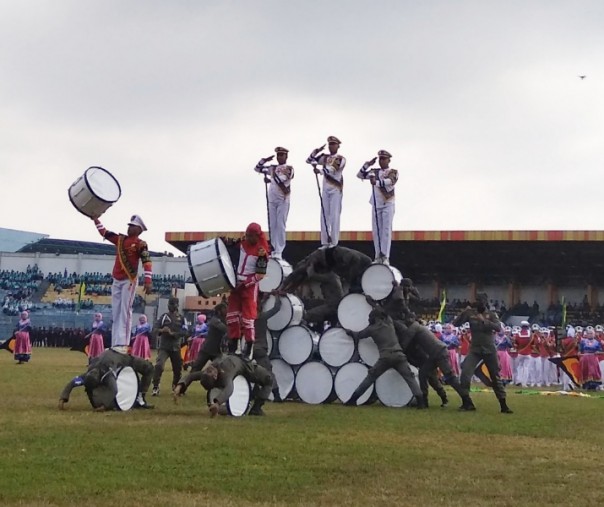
[100,380]
[220,374]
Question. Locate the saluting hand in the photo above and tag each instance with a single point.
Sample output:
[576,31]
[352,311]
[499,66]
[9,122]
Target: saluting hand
[268,159]
[371,162]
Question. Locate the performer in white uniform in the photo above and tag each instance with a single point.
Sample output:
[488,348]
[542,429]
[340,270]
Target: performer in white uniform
[280,176]
[383,180]
[331,195]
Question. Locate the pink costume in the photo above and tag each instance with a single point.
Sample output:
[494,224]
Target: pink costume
[22,351]
[140,344]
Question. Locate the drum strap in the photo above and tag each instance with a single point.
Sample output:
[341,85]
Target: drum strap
[126,266]
[284,188]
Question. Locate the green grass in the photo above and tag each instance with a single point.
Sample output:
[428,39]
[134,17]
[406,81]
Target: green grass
[549,452]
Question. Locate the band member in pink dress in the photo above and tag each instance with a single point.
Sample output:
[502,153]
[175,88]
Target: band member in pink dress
[503,342]
[589,346]
[22,351]
[200,333]
[96,346]
[140,342]
[450,339]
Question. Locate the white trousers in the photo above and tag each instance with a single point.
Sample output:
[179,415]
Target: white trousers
[382,229]
[122,298]
[514,361]
[332,207]
[534,375]
[522,376]
[277,216]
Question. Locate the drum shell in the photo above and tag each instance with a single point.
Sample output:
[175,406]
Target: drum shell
[314,383]
[211,267]
[284,376]
[353,312]
[336,348]
[82,195]
[392,390]
[298,344]
[239,402]
[348,378]
[377,280]
[368,351]
[127,388]
[276,271]
[290,314]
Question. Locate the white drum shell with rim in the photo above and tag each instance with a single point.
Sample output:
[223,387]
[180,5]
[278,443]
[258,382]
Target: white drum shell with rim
[377,280]
[298,344]
[94,192]
[127,388]
[368,351]
[314,383]
[290,313]
[239,402]
[348,378]
[353,312]
[211,267]
[336,348]
[276,271]
[284,377]
[392,390]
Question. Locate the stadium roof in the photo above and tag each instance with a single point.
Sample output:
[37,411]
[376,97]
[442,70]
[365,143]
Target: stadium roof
[560,257]
[12,240]
[66,246]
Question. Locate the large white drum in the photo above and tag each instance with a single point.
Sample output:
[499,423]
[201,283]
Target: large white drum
[314,383]
[276,271]
[290,313]
[298,344]
[211,267]
[392,390]
[368,351]
[284,376]
[377,280]
[127,388]
[94,192]
[336,347]
[353,312]
[348,378]
[239,402]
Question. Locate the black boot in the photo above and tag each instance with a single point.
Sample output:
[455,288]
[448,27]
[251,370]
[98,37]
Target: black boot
[257,408]
[232,345]
[504,407]
[444,400]
[467,404]
[248,350]
[141,402]
[276,396]
[422,402]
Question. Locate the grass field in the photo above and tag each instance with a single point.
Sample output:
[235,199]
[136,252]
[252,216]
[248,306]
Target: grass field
[550,451]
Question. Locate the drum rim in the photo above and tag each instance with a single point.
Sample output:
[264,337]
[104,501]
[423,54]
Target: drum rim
[126,368]
[330,397]
[390,268]
[192,271]
[119,188]
[319,347]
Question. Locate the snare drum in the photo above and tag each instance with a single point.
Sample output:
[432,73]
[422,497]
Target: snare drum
[276,271]
[368,351]
[314,383]
[353,312]
[298,344]
[336,347]
[94,192]
[377,280]
[127,388]
[348,378]
[284,377]
[392,390]
[211,267]
[239,402]
[290,313]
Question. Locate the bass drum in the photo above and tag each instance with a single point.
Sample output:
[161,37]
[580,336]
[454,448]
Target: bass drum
[377,280]
[94,192]
[348,378]
[239,402]
[368,351]
[298,344]
[392,390]
[127,388]
[336,348]
[290,313]
[211,267]
[284,377]
[314,383]
[353,312]
[276,271]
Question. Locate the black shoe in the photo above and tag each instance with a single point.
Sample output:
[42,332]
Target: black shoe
[248,351]
[444,401]
[467,404]
[351,403]
[421,403]
[142,403]
[504,407]
[232,346]
[277,397]
[257,408]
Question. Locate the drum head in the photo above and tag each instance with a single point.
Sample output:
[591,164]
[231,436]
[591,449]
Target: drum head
[368,351]
[276,271]
[314,383]
[392,390]
[377,280]
[353,312]
[127,388]
[296,344]
[227,265]
[336,348]
[284,376]
[290,313]
[239,402]
[348,378]
[102,184]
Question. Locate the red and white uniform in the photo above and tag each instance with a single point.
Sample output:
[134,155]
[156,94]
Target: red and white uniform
[523,345]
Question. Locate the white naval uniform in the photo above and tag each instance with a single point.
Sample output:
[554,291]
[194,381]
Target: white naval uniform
[383,206]
[278,201]
[331,195]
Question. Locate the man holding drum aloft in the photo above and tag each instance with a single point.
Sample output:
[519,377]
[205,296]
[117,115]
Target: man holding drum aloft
[130,249]
[383,179]
[280,176]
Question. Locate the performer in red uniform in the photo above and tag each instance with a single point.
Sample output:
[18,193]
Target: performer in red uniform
[242,307]
[130,249]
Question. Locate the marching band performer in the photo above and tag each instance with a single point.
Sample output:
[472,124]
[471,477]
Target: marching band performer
[523,345]
[333,184]
[140,342]
[503,343]
[200,333]
[450,339]
[280,176]
[383,180]
[589,347]
[22,352]
[130,249]
[96,346]
[534,376]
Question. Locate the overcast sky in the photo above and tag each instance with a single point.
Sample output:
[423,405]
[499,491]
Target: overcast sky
[479,102]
